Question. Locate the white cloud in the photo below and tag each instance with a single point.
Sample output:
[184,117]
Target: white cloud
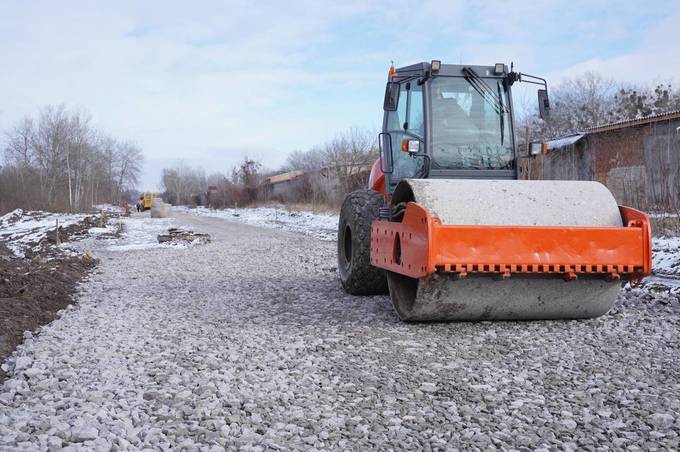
[655,57]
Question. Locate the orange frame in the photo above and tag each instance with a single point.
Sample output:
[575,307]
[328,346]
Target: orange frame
[421,245]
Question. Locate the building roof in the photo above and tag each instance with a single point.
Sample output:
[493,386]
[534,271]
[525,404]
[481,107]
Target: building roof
[565,141]
[284,177]
[574,138]
[635,122]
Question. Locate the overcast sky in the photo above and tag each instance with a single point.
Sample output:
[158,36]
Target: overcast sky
[209,81]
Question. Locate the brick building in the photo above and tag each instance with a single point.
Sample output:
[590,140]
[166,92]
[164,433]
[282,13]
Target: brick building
[638,160]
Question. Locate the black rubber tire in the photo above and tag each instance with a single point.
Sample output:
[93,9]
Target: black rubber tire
[357,275]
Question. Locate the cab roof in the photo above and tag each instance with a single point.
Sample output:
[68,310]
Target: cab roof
[451,70]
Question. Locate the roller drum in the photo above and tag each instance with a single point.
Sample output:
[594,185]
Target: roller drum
[506,202]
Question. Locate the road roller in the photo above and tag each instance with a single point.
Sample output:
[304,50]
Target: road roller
[447,227]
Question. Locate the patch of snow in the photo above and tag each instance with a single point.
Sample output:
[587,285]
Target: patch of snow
[141,233]
[68,249]
[668,284]
[20,230]
[109,208]
[666,256]
[97,231]
[662,215]
[321,226]
[11,216]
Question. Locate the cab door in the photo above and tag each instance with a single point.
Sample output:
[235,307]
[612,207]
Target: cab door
[405,123]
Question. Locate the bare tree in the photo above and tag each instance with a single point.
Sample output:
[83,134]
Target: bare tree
[183,183]
[580,103]
[18,152]
[60,162]
[127,163]
[637,102]
[591,100]
[348,157]
[247,175]
[310,160]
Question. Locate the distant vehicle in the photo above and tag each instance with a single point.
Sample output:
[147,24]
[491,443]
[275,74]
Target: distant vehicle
[146,199]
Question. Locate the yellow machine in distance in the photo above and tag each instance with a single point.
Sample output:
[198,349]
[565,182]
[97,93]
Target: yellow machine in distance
[146,199]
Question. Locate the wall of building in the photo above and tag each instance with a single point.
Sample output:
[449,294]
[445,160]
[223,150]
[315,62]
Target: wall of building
[570,163]
[640,165]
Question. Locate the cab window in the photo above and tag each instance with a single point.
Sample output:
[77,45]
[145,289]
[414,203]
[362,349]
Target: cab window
[408,117]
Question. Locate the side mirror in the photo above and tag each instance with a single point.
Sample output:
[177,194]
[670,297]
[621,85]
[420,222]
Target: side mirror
[391,96]
[543,104]
[385,145]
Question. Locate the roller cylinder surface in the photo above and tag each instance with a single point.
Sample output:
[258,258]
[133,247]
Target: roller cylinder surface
[506,202]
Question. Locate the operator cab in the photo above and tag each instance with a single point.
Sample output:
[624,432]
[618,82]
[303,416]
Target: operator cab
[450,121]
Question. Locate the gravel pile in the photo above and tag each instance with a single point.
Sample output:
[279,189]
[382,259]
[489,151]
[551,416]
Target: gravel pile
[249,343]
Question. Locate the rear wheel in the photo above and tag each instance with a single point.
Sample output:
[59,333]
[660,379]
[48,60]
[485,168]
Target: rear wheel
[357,275]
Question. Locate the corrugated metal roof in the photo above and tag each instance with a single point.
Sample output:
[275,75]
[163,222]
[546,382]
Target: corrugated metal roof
[564,141]
[285,176]
[635,122]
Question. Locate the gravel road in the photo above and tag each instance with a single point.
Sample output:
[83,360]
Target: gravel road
[249,343]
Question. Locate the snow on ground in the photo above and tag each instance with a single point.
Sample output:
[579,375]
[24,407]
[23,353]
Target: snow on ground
[98,231]
[109,208]
[666,266]
[141,233]
[322,226]
[23,230]
[663,215]
[666,256]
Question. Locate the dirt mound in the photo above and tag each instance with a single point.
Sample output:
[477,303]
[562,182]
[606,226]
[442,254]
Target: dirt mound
[66,233]
[35,288]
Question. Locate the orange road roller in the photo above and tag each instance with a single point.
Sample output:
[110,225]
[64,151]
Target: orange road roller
[449,229]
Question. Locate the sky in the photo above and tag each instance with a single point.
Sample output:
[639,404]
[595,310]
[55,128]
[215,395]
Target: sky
[208,82]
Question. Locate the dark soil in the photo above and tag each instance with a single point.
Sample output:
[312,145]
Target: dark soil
[34,289]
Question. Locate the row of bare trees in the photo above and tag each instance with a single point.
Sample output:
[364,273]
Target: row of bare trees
[338,167]
[59,161]
[181,183]
[329,172]
[186,185]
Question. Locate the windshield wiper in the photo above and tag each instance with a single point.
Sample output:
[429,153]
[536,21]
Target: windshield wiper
[480,85]
[484,95]
[502,115]
[484,90]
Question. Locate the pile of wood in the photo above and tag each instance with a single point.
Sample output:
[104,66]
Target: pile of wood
[178,235]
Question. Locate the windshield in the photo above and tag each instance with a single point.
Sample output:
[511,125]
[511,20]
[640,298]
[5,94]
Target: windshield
[470,124]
